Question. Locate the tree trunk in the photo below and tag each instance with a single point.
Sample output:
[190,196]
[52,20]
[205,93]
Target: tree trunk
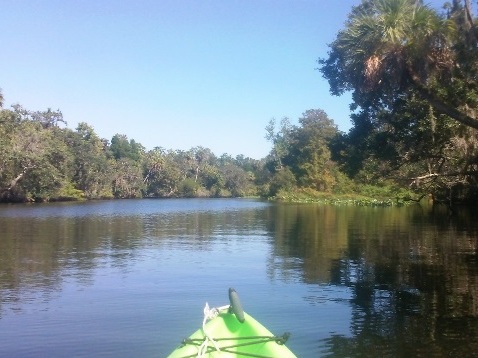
[15,181]
[469,22]
[5,192]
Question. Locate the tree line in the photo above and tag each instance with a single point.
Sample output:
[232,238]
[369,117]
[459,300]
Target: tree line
[41,160]
[413,74]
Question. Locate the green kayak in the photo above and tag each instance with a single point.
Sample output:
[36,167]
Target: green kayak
[230,332]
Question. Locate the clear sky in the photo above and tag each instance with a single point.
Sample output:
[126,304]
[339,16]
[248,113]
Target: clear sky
[172,73]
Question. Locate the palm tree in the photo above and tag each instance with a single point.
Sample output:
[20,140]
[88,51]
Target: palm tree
[389,47]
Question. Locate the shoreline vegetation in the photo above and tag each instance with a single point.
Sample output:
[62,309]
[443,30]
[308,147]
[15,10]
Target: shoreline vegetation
[412,71]
[45,161]
[340,200]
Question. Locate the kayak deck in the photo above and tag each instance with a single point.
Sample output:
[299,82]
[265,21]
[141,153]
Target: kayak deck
[233,339]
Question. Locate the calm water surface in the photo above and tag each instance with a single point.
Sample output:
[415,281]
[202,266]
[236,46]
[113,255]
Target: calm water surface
[131,277]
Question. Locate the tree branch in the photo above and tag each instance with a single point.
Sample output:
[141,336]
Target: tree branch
[436,175]
[441,107]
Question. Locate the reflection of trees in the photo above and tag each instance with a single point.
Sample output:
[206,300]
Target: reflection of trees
[37,254]
[413,275]
[312,233]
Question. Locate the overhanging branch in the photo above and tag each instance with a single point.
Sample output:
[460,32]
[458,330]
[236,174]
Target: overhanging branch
[443,108]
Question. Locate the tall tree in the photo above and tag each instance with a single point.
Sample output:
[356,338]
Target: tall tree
[121,147]
[279,139]
[93,169]
[391,47]
[309,156]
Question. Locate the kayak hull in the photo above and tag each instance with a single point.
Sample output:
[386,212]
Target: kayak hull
[234,339]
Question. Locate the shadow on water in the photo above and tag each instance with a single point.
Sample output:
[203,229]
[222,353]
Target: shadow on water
[412,275]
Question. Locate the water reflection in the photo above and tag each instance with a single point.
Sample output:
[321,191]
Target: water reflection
[43,245]
[413,274]
[405,279]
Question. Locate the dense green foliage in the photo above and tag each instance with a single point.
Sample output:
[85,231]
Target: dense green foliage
[413,74]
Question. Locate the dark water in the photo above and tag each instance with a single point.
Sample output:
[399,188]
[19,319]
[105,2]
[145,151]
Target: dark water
[130,278]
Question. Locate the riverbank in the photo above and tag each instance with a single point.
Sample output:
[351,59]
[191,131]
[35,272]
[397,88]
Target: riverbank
[386,198]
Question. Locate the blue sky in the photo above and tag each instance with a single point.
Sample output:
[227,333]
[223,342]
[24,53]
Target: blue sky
[175,74]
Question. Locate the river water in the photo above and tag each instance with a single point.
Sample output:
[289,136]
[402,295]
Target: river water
[128,278]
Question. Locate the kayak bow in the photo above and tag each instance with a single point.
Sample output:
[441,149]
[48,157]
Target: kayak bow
[228,331]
